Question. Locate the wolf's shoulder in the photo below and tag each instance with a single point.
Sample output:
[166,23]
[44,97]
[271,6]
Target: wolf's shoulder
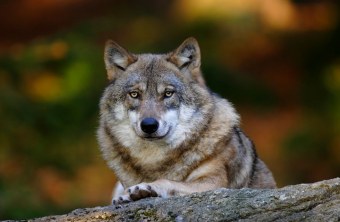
[225,110]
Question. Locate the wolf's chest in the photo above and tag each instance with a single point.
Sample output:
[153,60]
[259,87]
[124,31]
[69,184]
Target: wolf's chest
[148,166]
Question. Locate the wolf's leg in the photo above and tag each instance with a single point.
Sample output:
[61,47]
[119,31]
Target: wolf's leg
[208,176]
[118,190]
[163,188]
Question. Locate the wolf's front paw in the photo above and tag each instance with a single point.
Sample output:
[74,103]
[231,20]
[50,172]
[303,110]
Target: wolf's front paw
[141,191]
[121,200]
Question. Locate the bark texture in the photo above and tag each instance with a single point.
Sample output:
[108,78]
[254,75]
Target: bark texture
[304,202]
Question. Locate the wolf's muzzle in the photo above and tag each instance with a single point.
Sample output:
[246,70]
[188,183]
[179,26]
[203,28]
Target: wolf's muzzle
[149,125]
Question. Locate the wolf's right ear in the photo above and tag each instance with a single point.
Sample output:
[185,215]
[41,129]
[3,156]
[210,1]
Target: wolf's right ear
[117,59]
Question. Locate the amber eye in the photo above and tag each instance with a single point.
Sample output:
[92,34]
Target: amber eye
[134,94]
[168,94]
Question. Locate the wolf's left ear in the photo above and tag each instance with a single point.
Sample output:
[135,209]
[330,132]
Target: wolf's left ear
[187,57]
[116,59]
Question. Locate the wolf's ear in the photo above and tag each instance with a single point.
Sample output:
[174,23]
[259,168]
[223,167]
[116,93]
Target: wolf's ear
[187,57]
[117,59]
[187,54]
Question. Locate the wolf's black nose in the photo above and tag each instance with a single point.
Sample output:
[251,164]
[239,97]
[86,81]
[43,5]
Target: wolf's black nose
[149,125]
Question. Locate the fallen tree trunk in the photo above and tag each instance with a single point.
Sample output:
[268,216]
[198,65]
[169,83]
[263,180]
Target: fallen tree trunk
[304,202]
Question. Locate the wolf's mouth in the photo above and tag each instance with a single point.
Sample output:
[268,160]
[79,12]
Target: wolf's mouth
[151,137]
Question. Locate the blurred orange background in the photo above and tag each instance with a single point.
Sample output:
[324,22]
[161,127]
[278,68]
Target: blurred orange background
[278,61]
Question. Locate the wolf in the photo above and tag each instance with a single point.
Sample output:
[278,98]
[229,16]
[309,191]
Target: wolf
[165,133]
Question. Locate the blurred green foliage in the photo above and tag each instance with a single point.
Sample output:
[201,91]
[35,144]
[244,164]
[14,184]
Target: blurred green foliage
[48,116]
[283,77]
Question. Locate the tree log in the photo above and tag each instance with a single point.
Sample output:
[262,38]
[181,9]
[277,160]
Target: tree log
[304,202]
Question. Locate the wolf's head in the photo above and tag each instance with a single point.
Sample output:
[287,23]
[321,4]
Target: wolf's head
[155,98]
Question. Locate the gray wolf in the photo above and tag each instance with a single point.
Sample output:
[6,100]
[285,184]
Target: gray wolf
[164,133]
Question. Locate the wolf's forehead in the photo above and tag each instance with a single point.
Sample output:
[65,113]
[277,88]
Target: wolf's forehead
[152,70]
[141,81]
[153,64]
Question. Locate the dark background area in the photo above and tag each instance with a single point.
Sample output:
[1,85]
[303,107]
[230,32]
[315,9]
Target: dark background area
[277,61]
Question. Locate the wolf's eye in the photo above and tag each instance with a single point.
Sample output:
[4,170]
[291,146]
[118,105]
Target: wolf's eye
[134,94]
[168,94]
